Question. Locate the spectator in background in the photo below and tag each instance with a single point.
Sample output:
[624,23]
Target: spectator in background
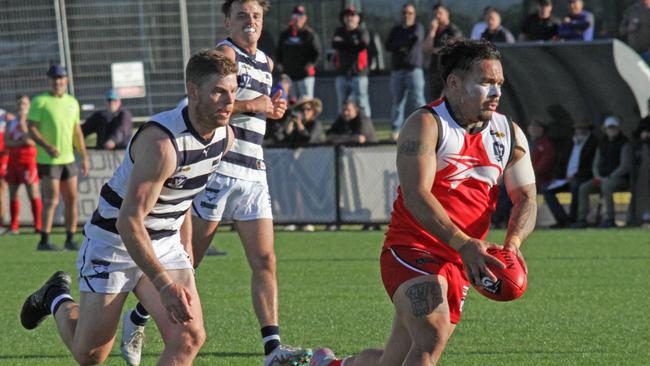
[351,60]
[635,28]
[112,125]
[572,173]
[495,32]
[22,166]
[406,77]
[442,31]
[54,125]
[578,25]
[303,127]
[4,159]
[298,52]
[352,126]
[542,153]
[541,25]
[611,172]
[480,26]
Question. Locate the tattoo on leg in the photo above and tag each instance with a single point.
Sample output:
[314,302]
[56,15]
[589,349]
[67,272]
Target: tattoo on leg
[425,297]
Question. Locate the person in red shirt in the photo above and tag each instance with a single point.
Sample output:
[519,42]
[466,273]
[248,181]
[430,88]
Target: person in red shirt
[22,166]
[4,158]
[451,155]
[542,152]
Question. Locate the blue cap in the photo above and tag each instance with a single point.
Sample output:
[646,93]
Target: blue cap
[111,94]
[56,71]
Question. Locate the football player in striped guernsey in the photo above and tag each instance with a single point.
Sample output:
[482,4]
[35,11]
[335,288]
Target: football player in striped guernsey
[133,241]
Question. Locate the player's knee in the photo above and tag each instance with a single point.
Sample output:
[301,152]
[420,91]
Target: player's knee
[264,262]
[190,340]
[434,334]
[90,357]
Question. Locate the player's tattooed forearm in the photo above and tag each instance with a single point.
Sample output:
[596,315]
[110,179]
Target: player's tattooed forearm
[523,218]
[413,148]
[425,297]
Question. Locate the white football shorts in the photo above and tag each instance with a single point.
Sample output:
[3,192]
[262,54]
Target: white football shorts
[233,199]
[109,269]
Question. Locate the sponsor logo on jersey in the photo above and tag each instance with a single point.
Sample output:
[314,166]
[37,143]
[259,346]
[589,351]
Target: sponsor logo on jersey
[176,182]
[498,134]
[469,167]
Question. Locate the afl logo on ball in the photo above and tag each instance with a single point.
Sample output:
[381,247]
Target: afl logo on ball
[491,286]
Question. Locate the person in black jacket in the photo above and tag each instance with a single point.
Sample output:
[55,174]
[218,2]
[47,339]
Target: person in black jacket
[611,172]
[352,126]
[571,174]
[406,77]
[351,60]
[112,125]
[298,52]
[442,32]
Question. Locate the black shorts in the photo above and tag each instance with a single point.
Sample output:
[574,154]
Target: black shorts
[58,171]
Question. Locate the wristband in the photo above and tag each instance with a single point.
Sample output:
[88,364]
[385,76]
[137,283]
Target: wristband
[161,280]
[160,290]
[458,240]
[515,240]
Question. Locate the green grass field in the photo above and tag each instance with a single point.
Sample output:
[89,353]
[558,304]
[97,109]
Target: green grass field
[587,302]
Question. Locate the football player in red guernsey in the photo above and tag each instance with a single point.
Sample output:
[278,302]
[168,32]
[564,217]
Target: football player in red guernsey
[451,156]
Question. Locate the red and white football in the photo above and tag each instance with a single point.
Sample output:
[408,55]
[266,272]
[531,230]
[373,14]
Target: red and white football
[511,281]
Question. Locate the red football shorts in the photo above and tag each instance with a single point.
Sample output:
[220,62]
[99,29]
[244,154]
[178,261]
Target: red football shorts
[4,160]
[22,174]
[400,264]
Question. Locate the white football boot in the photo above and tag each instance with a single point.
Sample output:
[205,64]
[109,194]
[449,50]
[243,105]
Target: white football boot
[132,340]
[288,356]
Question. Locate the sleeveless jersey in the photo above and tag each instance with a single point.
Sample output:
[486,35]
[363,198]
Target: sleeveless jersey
[197,159]
[245,160]
[469,169]
[24,154]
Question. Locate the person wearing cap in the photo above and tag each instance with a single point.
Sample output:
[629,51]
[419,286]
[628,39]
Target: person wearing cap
[611,172]
[541,25]
[54,126]
[442,31]
[571,173]
[406,75]
[351,60]
[578,25]
[303,126]
[298,52]
[112,125]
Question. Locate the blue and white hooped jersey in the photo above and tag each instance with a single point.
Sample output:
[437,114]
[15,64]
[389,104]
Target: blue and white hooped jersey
[197,159]
[245,160]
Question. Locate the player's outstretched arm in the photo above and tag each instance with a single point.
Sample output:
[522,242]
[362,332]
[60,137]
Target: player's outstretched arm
[416,167]
[519,178]
[154,161]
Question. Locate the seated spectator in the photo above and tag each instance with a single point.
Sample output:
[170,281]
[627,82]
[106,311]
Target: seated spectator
[578,25]
[275,127]
[642,152]
[112,125]
[542,153]
[573,171]
[541,25]
[635,28]
[480,26]
[611,170]
[351,126]
[495,32]
[302,127]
